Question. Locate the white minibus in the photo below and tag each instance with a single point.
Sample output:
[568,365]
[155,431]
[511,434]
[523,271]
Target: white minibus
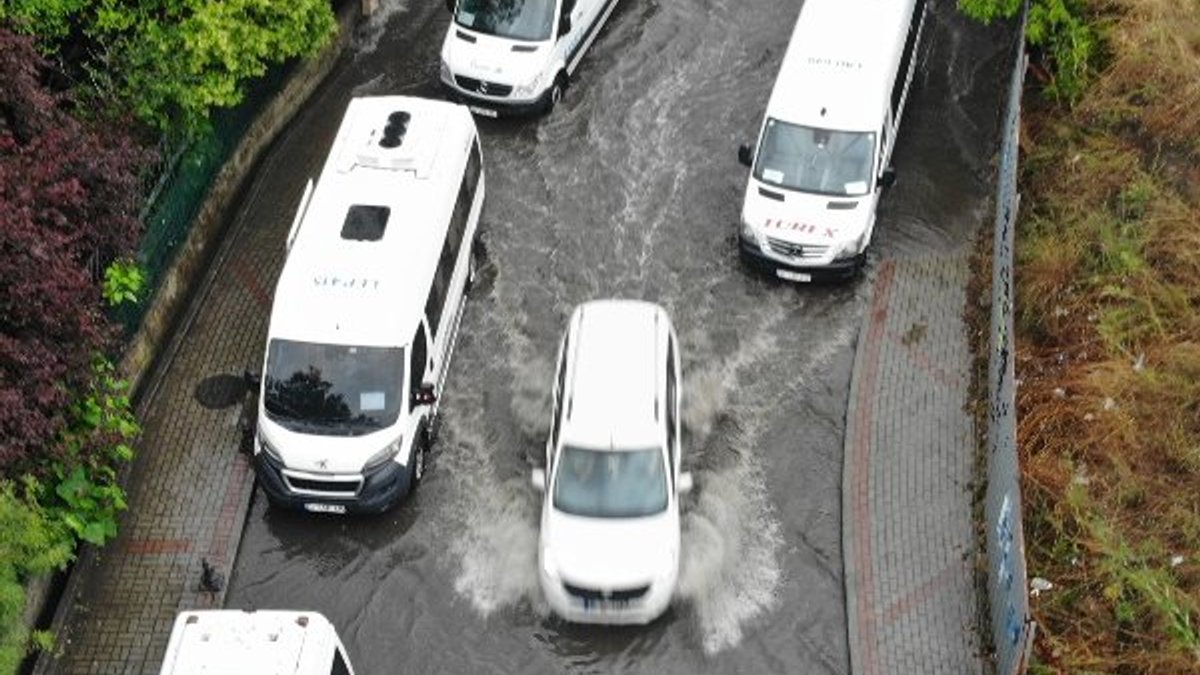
[367,307]
[824,149]
[232,642]
[517,56]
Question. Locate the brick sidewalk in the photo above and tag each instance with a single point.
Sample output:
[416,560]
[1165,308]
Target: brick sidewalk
[907,523]
[189,487]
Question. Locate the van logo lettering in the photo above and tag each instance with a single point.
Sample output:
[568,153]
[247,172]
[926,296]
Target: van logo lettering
[797,226]
[347,283]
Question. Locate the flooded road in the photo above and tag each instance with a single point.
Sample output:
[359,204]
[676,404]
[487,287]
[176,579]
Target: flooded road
[632,189]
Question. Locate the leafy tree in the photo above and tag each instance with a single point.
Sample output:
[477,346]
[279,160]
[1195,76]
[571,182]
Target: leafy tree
[69,195]
[1058,29]
[173,61]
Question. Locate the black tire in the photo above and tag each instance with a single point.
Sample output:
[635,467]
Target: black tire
[420,458]
[472,265]
[557,91]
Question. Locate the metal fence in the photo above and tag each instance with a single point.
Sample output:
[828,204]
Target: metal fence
[1012,626]
[185,174]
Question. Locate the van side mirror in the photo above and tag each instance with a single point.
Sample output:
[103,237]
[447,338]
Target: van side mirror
[424,395]
[746,154]
[888,178]
[538,479]
[251,378]
[686,483]
[564,25]
[450,6]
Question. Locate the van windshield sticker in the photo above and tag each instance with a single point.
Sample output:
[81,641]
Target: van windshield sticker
[370,401]
[856,187]
[773,175]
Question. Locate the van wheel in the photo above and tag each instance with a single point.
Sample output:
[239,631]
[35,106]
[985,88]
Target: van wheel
[420,456]
[556,92]
[472,267]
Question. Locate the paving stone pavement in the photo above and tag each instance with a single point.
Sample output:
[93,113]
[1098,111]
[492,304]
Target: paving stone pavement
[907,520]
[189,487]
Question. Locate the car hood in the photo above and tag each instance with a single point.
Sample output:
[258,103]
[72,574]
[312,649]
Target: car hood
[611,553]
[492,59]
[805,218]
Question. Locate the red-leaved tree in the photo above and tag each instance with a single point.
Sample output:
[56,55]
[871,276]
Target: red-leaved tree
[69,194]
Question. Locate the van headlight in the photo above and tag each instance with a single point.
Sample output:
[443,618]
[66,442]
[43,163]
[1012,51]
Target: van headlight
[850,248]
[384,456]
[264,446]
[529,89]
[748,233]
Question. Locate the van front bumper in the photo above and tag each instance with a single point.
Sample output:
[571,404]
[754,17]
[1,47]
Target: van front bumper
[496,107]
[837,270]
[381,489]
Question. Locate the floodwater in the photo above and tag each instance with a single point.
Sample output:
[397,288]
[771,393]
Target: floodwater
[632,189]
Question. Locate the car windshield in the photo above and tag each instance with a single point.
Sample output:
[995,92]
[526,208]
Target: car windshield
[610,484]
[530,20]
[809,159]
[332,390]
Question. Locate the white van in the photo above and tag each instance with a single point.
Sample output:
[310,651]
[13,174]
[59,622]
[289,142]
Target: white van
[517,56]
[232,642]
[825,146]
[367,307]
[609,548]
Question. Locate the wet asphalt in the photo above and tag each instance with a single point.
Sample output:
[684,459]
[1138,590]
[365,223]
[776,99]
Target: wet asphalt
[630,188]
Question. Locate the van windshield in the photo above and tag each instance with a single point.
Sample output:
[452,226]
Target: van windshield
[332,390]
[810,159]
[529,20]
[610,484]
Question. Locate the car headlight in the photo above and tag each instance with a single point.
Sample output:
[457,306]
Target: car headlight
[264,446]
[549,564]
[445,74]
[529,89]
[383,456]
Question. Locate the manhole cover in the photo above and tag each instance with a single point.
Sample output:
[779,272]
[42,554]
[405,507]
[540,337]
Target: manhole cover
[220,391]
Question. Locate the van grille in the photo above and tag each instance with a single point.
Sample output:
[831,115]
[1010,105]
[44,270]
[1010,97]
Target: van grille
[797,251]
[482,87]
[328,487]
[622,595]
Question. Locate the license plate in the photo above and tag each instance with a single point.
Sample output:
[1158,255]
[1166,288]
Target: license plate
[793,276]
[325,508]
[486,112]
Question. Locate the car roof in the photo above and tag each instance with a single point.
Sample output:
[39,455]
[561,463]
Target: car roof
[840,63]
[265,643]
[334,289]
[617,357]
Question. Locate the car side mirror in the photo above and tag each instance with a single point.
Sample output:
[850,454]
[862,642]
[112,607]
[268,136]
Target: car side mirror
[564,25]
[686,482]
[538,479]
[424,395]
[746,154]
[888,178]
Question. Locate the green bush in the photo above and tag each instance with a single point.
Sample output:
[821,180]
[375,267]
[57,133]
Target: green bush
[173,61]
[32,543]
[1059,29]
